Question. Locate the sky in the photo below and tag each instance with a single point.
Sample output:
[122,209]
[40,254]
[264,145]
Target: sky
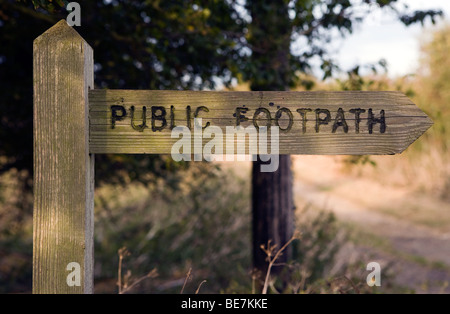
[381,36]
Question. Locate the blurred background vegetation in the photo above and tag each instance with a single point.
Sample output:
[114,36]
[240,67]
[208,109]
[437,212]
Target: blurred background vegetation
[176,217]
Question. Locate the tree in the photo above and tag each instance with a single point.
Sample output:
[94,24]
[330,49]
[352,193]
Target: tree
[140,45]
[182,45]
[273,66]
[434,85]
[272,202]
[137,44]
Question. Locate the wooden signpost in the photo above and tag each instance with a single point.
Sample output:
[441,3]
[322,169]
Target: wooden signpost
[350,123]
[73,121]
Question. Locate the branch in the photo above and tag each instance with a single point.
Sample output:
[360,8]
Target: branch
[198,289]
[188,275]
[152,274]
[51,19]
[268,251]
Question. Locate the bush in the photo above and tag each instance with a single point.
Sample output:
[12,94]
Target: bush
[202,226]
[203,223]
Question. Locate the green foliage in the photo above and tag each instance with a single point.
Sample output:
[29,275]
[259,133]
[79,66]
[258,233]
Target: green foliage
[172,45]
[206,228]
[138,45]
[356,81]
[162,44]
[168,45]
[15,233]
[318,243]
[420,16]
[199,225]
[49,5]
[434,88]
[360,160]
[269,39]
[314,253]
[277,25]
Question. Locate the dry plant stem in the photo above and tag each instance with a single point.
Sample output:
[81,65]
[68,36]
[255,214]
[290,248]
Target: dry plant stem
[253,283]
[198,289]
[444,285]
[122,252]
[353,284]
[119,275]
[355,288]
[151,274]
[272,261]
[188,275]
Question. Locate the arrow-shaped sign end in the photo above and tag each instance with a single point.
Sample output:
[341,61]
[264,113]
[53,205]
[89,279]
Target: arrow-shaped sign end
[424,122]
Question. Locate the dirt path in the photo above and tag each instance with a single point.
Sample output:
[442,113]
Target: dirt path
[415,227]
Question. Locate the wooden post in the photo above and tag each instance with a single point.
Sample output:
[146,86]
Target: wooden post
[63,167]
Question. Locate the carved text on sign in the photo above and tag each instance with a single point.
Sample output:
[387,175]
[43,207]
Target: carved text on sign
[157,118]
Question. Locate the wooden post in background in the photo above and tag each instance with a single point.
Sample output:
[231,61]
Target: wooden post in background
[63,210]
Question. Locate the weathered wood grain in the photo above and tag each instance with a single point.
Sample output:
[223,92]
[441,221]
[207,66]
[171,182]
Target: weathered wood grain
[404,122]
[63,167]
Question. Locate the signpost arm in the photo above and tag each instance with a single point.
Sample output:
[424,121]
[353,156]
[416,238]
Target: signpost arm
[63,168]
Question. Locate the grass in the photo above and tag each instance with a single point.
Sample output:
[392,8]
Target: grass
[360,237]
[197,236]
[203,225]
[431,216]
[298,283]
[196,224]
